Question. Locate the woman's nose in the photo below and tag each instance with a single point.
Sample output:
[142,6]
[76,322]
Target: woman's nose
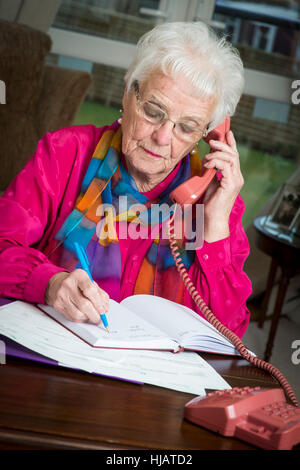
[163,134]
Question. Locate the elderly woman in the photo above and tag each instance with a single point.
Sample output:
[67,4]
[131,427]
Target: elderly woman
[182,84]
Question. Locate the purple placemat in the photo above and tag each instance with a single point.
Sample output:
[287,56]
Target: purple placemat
[5,301]
[17,350]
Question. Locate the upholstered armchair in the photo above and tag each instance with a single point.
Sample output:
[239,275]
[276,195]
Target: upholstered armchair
[39,98]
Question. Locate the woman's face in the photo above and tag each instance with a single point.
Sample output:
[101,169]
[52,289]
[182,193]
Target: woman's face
[154,149]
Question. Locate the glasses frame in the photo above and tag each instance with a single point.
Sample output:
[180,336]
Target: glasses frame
[202,132]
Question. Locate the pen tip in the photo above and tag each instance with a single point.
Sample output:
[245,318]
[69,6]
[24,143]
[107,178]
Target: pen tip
[107,329]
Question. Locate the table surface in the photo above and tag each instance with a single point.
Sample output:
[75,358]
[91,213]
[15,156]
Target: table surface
[51,407]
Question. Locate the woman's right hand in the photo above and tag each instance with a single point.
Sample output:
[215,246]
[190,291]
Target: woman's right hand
[76,297]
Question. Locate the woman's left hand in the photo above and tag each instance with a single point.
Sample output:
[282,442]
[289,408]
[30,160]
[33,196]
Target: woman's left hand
[220,195]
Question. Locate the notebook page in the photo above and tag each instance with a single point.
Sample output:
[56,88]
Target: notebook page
[177,321]
[126,330]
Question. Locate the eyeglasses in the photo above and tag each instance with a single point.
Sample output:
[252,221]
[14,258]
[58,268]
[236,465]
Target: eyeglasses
[185,130]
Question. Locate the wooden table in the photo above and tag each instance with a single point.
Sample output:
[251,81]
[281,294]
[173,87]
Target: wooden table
[50,407]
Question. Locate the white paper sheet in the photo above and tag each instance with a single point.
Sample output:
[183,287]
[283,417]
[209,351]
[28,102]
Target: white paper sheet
[185,372]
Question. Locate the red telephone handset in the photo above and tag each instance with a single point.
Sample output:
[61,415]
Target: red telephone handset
[190,191]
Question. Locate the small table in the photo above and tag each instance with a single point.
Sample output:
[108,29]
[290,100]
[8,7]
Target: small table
[285,253]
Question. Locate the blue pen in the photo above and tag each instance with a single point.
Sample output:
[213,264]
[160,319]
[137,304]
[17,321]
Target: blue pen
[84,262]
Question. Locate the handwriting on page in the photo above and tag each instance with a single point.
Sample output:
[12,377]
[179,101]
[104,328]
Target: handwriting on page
[126,326]
[130,332]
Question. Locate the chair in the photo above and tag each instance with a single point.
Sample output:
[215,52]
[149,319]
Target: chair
[40,98]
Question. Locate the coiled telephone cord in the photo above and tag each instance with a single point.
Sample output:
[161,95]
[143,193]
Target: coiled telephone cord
[210,317]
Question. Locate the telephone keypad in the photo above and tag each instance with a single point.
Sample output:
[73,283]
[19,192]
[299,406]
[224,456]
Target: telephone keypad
[282,410]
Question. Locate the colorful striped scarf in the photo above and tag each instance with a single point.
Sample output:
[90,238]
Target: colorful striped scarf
[108,206]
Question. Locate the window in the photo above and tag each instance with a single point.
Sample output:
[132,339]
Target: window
[100,36]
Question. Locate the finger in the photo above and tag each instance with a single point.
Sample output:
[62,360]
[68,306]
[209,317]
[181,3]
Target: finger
[90,290]
[228,152]
[98,297]
[86,307]
[232,177]
[105,298]
[78,316]
[221,156]
[70,310]
[220,165]
[231,140]
[78,308]
[223,146]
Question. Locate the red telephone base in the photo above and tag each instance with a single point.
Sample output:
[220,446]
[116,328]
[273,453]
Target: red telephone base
[261,417]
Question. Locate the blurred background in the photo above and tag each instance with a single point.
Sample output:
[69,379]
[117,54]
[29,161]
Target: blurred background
[267,35]
[98,36]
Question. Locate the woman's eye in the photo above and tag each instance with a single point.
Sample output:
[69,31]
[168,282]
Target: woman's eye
[153,112]
[186,128]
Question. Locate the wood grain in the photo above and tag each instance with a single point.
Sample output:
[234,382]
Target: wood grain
[49,407]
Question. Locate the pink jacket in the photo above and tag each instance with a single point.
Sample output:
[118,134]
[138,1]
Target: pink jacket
[44,193]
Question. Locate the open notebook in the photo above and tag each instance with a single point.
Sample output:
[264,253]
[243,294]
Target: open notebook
[29,327]
[149,322]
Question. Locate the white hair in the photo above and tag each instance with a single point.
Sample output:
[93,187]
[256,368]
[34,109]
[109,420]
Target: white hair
[194,51]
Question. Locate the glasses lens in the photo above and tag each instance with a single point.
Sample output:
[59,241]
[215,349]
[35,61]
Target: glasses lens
[152,113]
[186,132]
